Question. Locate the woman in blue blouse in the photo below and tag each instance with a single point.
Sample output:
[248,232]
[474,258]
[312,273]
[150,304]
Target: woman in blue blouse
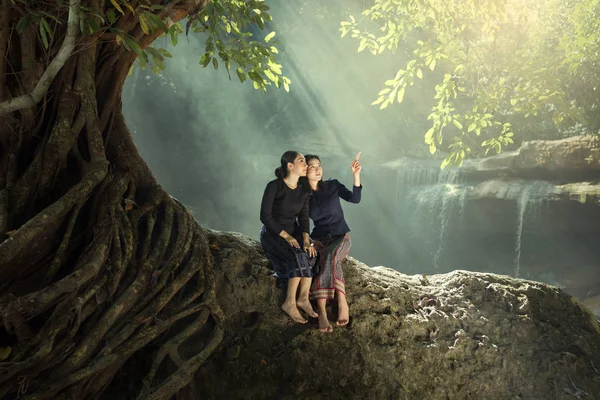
[330,233]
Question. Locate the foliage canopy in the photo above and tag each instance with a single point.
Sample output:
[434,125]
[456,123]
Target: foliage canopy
[226,23]
[492,60]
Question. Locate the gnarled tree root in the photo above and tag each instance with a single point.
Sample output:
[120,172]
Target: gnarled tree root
[97,263]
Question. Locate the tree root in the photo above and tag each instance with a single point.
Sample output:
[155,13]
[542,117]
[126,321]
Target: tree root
[34,303]
[141,339]
[99,262]
[3,213]
[11,249]
[61,252]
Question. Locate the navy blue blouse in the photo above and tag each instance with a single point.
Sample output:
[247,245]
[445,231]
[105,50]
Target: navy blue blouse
[326,210]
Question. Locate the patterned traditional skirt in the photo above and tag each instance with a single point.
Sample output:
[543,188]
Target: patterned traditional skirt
[331,277]
[288,262]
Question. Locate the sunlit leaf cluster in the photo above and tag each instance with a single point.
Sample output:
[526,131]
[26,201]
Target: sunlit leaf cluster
[491,60]
[227,25]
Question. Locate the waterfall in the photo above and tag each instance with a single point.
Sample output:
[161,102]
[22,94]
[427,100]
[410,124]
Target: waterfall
[529,204]
[428,199]
[430,206]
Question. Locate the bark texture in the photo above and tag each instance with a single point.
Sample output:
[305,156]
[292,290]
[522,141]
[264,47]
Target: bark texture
[97,262]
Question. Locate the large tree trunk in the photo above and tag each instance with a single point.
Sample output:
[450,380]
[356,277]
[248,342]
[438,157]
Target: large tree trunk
[98,265]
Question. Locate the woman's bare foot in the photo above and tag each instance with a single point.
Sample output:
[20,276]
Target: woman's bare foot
[324,325]
[291,310]
[307,308]
[343,312]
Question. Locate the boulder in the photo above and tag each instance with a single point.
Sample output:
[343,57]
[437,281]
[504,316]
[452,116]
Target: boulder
[577,153]
[576,157]
[459,335]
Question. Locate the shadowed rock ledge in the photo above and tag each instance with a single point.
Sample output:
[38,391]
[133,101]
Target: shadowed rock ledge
[461,335]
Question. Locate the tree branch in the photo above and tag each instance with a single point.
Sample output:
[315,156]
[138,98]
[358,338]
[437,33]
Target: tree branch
[31,99]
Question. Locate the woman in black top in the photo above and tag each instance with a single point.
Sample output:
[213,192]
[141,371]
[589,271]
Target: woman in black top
[284,213]
[331,235]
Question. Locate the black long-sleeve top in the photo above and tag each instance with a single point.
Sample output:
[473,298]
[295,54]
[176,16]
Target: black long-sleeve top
[282,206]
[326,211]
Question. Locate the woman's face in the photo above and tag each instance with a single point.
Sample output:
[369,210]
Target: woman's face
[315,172]
[298,167]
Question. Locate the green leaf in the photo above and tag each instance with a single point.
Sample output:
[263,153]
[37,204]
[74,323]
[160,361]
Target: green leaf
[432,65]
[400,95]
[255,77]
[378,101]
[274,67]
[154,21]
[215,63]
[117,6]
[445,162]
[112,17]
[47,27]
[429,135]
[419,73]
[457,124]
[44,37]
[93,25]
[270,75]
[269,37]
[143,24]
[134,45]
[241,75]
[174,36]
[205,59]
[154,53]
[126,4]
[23,23]
[165,53]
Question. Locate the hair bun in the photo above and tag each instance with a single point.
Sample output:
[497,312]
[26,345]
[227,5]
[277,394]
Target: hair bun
[278,173]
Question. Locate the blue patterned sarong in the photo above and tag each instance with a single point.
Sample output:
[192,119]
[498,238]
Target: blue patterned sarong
[288,262]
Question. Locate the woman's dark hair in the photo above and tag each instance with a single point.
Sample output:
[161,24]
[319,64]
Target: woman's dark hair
[309,157]
[287,157]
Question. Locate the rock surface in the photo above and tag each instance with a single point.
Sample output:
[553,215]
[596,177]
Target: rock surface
[461,335]
[567,169]
[575,154]
[513,189]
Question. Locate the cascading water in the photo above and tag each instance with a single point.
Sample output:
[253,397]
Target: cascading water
[529,204]
[431,204]
[513,224]
[431,198]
